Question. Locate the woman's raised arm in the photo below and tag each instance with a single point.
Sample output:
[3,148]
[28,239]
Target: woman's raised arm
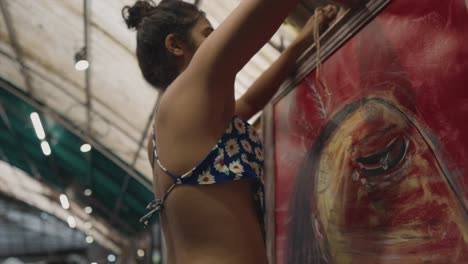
[238,38]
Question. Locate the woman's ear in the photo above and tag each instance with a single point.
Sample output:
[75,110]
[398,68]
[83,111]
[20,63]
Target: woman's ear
[174,44]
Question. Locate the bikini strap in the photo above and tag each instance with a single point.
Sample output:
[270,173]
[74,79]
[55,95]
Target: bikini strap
[156,158]
[156,206]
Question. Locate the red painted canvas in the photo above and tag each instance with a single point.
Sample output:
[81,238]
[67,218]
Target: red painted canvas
[371,157]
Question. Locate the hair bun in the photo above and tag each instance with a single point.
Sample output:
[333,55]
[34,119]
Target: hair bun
[133,15]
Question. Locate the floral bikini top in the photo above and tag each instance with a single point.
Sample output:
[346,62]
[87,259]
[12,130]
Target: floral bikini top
[237,155]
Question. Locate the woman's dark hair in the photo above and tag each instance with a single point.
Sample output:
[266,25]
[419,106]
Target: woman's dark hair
[153,23]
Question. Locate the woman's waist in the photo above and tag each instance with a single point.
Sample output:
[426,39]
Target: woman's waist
[229,256]
[242,246]
[219,204]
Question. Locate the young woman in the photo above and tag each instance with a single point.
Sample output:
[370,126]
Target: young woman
[207,160]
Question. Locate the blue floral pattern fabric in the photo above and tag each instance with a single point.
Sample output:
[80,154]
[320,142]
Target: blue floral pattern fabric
[237,155]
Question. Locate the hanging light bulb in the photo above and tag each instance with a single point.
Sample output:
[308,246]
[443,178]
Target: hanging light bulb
[46,148]
[111,258]
[71,221]
[37,125]
[89,239]
[88,209]
[81,61]
[64,201]
[88,192]
[85,147]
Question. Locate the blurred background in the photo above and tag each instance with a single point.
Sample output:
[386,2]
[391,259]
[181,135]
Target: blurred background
[75,114]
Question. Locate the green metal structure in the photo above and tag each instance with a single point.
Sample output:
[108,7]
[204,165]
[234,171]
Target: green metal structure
[68,169]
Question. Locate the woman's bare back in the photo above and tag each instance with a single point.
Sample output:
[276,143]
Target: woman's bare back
[217,223]
[212,224]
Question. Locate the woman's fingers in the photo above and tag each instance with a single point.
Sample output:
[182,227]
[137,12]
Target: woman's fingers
[320,21]
[329,11]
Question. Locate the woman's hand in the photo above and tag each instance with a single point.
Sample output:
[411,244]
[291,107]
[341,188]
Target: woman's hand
[320,21]
[263,89]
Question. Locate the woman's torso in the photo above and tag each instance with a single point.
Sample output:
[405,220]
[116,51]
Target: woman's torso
[216,223]
[212,224]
